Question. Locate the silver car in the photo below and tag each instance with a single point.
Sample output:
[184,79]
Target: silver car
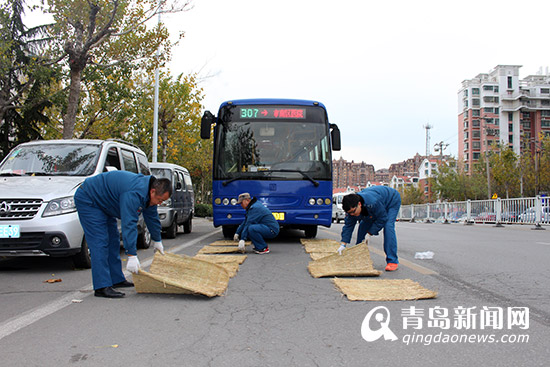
[37,182]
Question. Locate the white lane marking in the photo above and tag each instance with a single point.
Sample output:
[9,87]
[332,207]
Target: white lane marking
[27,318]
[544,243]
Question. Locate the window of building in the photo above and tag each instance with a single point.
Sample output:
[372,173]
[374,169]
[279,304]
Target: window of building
[475,155]
[545,90]
[510,128]
[510,116]
[465,124]
[545,123]
[545,102]
[466,146]
[510,83]
[466,135]
[475,123]
[489,110]
[487,87]
[496,111]
[466,167]
[497,121]
[476,134]
[526,124]
[476,145]
[475,102]
[476,113]
[545,113]
[510,138]
[475,91]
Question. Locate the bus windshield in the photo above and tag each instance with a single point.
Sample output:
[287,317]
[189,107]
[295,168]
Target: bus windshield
[269,149]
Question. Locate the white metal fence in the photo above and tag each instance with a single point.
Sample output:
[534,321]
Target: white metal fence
[535,210]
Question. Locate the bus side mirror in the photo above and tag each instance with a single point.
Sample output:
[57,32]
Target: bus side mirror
[206,122]
[335,137]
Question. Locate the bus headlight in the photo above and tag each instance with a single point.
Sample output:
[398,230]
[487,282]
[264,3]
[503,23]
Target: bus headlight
[311,201]
[327,201]
[319,201]
[218,201]
[225,201]
[233,201]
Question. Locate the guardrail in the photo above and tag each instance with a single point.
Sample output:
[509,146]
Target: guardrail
[535,210]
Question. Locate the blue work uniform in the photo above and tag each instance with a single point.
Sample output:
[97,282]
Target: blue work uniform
[259,224]
[380,208]
[99,201]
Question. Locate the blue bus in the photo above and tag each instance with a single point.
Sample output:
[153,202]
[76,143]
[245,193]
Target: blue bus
[279,151]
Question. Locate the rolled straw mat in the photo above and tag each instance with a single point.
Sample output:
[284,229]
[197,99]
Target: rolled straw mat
[354,261]
[382,289]
[219,249]
[320,245]
[177,274]
[228,243]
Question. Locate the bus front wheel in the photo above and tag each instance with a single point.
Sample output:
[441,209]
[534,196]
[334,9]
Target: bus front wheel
[229,231]
[311,231]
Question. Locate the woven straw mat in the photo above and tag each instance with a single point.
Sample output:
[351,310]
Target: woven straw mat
[219,250]
[216,259]
[229,262]
[228,243]
[382,289]
[354,261]
[320,245]
[177,274]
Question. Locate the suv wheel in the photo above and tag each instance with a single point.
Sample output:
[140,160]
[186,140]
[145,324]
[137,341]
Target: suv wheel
[188,225]
[172,230]
[83,260]
[144,238]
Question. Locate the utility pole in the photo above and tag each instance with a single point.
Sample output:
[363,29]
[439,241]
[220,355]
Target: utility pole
[440,147]
[156,106]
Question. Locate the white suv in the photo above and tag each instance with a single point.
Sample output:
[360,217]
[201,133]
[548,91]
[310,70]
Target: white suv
[37,183]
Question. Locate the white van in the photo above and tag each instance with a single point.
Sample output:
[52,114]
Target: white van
[337,212]
[37,183]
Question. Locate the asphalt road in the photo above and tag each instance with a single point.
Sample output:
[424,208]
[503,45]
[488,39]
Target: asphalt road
[275,314]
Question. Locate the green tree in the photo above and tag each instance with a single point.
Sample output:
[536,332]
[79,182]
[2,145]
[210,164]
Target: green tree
[506,172]
[103,33]
[412,195]
[25,78]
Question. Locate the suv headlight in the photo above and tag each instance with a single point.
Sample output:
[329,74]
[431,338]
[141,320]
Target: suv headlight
[60,206]
[166,203]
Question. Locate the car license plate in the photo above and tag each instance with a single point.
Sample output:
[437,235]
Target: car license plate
[279,216]
[9,231]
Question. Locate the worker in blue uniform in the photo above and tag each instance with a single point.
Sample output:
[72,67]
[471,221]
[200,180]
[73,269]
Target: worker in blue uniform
[259,224]
[374,208]
[124,195]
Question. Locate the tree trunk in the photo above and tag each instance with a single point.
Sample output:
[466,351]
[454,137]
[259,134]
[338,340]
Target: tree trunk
[69,119]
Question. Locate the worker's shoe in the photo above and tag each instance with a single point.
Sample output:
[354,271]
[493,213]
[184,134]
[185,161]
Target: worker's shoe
[108,292]
[391,267]
[261,252]
[123,284]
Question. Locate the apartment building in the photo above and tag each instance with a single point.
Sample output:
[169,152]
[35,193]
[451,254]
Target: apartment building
[499,107]
[351,174]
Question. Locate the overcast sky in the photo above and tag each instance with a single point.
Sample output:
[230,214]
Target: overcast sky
[382,69]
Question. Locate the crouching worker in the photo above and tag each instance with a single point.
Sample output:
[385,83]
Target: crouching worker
[259,224]
[124,195]
[375,208]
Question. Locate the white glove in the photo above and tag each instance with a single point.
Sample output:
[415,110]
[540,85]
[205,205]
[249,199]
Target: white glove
[133,264]
[241,245]
[158,246]
[236,237]
[341,248]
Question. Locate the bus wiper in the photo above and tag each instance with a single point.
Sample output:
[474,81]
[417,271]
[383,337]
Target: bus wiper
[225,183]
[305,175]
